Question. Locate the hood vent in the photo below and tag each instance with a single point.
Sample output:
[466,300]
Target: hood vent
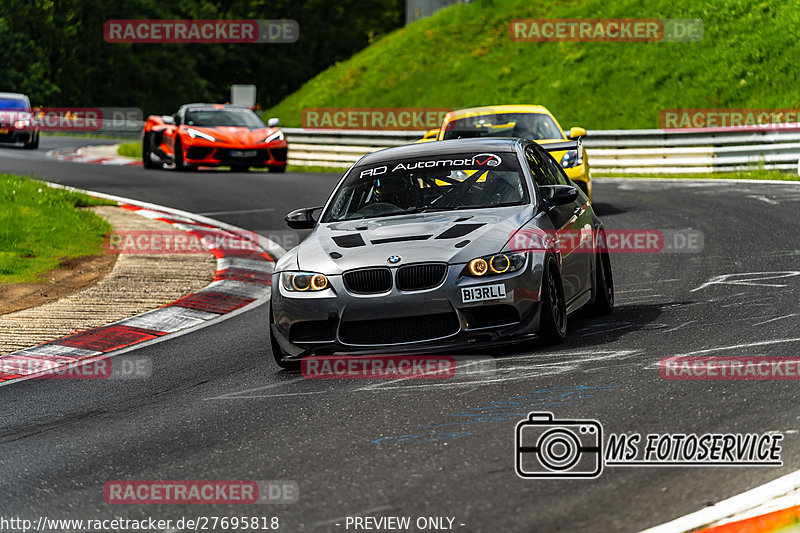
[353,240]
[459,230]
[401,239]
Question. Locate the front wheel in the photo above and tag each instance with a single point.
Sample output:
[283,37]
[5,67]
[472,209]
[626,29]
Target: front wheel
[147,159]
[33,144]
[553,322]
[178,156]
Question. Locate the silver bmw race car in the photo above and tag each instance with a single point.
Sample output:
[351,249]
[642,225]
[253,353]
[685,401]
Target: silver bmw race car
[438,246]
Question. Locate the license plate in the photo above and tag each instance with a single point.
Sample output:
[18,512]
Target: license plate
[484,292]
[243,153]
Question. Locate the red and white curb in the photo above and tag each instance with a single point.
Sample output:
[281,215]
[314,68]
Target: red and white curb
[76,155]
[751,511]
[241,282]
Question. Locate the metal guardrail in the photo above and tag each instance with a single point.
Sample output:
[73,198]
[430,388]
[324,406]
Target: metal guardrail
[610,152]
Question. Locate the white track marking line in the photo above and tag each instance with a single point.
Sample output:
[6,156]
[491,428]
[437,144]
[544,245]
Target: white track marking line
[774,319]
[679,327]
[736,346]
[634,290]
[732,506]
[728,279]
[230,396]
[763,199]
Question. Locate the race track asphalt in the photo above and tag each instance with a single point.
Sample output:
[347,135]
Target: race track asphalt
[217,407]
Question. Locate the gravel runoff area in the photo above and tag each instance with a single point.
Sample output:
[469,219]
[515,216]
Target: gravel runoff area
[137,283]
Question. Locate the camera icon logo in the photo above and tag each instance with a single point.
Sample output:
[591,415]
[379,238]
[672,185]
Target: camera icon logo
[549,448]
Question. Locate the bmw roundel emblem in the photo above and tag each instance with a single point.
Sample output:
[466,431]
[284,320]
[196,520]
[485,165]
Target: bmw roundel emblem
[394,259]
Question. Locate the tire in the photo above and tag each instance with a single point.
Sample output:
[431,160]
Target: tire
[32,145]
[277,169]
[147,161]
[240,168]
[553,321]
[603,302]
[177,158]
[277,351]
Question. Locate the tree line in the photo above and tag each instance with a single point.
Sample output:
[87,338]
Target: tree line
[55,50]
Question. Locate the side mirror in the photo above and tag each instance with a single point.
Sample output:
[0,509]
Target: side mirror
[301,218]
[274,122]
[555,195]
[576,132]
[168,119]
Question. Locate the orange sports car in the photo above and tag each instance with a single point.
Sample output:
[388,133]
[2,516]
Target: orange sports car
[213,135]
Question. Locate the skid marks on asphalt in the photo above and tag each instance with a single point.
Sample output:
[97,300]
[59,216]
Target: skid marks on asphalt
[463,423]
[473,371]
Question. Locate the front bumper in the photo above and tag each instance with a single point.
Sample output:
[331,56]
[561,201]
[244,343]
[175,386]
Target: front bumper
[338,321]
[211,155]
[12,135]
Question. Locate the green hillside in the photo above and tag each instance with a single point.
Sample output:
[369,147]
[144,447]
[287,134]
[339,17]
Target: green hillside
[464,57]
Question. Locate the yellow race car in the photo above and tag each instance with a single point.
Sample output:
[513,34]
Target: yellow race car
[529,121]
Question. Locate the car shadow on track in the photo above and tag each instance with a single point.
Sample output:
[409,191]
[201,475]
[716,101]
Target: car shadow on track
[596,332]
[604,210]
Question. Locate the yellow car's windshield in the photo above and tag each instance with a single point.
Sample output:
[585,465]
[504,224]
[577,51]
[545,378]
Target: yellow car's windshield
[527,125]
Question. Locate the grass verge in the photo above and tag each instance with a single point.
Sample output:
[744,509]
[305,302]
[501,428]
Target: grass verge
[133,149]
[463,56]
[40,227]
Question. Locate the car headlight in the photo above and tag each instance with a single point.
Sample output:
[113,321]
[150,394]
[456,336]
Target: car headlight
[491,265]
[277,136]
[304,281]
[22,123]
[571,159]
[194,134]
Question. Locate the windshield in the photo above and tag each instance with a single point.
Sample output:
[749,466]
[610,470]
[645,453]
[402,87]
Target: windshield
[213,118]
[527,125]
[13,104]
[432,184]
